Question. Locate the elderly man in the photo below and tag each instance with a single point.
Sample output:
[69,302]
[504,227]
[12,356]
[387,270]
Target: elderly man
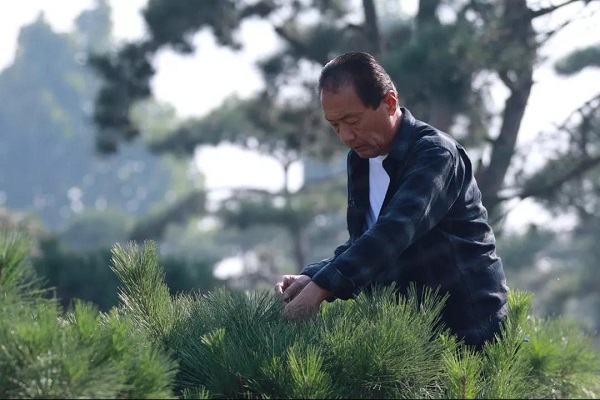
[414,209]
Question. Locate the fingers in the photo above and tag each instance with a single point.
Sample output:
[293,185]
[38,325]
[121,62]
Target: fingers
[278,288]
[295,287]
[289,286]
[282,284]
[292,291]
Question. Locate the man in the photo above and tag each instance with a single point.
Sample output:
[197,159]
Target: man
[414,209]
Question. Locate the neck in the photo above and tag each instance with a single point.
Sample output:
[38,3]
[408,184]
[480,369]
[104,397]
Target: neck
[398,120]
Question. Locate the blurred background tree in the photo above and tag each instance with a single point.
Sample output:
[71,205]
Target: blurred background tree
[48,154]
[447,59]
[75,202]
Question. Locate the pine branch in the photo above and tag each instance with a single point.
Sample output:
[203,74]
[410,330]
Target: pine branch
[143,293]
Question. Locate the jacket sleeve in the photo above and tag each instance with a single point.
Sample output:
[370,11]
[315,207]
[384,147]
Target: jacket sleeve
[311,269]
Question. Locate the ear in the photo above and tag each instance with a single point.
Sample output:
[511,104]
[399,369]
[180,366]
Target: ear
[391,101]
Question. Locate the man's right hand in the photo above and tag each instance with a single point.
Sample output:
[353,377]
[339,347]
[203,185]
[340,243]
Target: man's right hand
[289,286]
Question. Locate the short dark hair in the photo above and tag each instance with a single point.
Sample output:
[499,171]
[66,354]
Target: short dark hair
[370,81]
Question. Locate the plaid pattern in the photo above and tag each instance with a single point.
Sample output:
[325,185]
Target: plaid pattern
[432,231]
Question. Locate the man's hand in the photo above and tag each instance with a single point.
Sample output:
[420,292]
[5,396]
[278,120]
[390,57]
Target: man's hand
[288,286]
[306,304]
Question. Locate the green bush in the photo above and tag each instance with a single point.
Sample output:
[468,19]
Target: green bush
[86,275]
[230,344]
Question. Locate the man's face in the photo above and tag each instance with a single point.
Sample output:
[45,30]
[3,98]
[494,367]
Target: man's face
[369,132]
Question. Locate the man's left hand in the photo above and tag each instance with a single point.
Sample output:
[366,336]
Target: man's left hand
[306,304]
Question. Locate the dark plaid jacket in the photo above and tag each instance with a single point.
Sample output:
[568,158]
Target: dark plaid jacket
[432,231]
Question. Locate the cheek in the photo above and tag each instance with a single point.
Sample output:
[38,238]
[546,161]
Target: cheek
[374,129]
[366,133]
[363,130]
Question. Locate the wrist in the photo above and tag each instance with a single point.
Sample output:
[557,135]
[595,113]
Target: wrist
[318,292]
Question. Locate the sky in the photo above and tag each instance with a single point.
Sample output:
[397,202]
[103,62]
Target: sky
[189,84]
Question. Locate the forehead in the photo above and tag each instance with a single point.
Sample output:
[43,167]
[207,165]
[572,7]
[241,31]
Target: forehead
[342,102]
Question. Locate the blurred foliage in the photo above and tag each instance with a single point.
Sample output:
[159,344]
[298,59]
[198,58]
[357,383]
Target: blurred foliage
[561,268]
[577,60]
[561,265]
[75,203]
[85,274]
[48,119]
[96,229]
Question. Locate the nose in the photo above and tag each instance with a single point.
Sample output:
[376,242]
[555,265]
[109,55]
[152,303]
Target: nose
[346,134]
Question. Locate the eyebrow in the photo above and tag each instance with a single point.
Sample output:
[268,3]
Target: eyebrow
[349,115]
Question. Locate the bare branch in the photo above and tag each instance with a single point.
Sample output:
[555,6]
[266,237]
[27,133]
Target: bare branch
[548,10]
[588,106]
[545,36]
[548,35]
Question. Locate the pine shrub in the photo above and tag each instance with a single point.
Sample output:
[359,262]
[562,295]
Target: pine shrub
[47,353]
[233,344]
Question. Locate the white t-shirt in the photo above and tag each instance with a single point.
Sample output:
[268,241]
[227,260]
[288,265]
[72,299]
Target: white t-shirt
[379,182]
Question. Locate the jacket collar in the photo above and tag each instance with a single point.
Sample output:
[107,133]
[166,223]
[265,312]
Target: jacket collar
[403,137]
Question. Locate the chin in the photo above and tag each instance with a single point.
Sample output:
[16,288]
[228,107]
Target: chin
[366,153]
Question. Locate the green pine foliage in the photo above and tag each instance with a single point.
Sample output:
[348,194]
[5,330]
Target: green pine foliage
[232,344]
[562,358]
[236,345]
[144,295]
[47,353]
[16,275]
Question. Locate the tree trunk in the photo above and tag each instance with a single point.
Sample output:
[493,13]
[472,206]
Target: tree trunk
[427,13]
[372,29]
[293,226]
[441,115]
[515,68]
[492,177]
[300,249]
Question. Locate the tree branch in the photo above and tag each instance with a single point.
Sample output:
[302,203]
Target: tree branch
[588,106]
[548,10]
[548,35]
[576,172]
[584,111]
[503,75]
[298,46]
